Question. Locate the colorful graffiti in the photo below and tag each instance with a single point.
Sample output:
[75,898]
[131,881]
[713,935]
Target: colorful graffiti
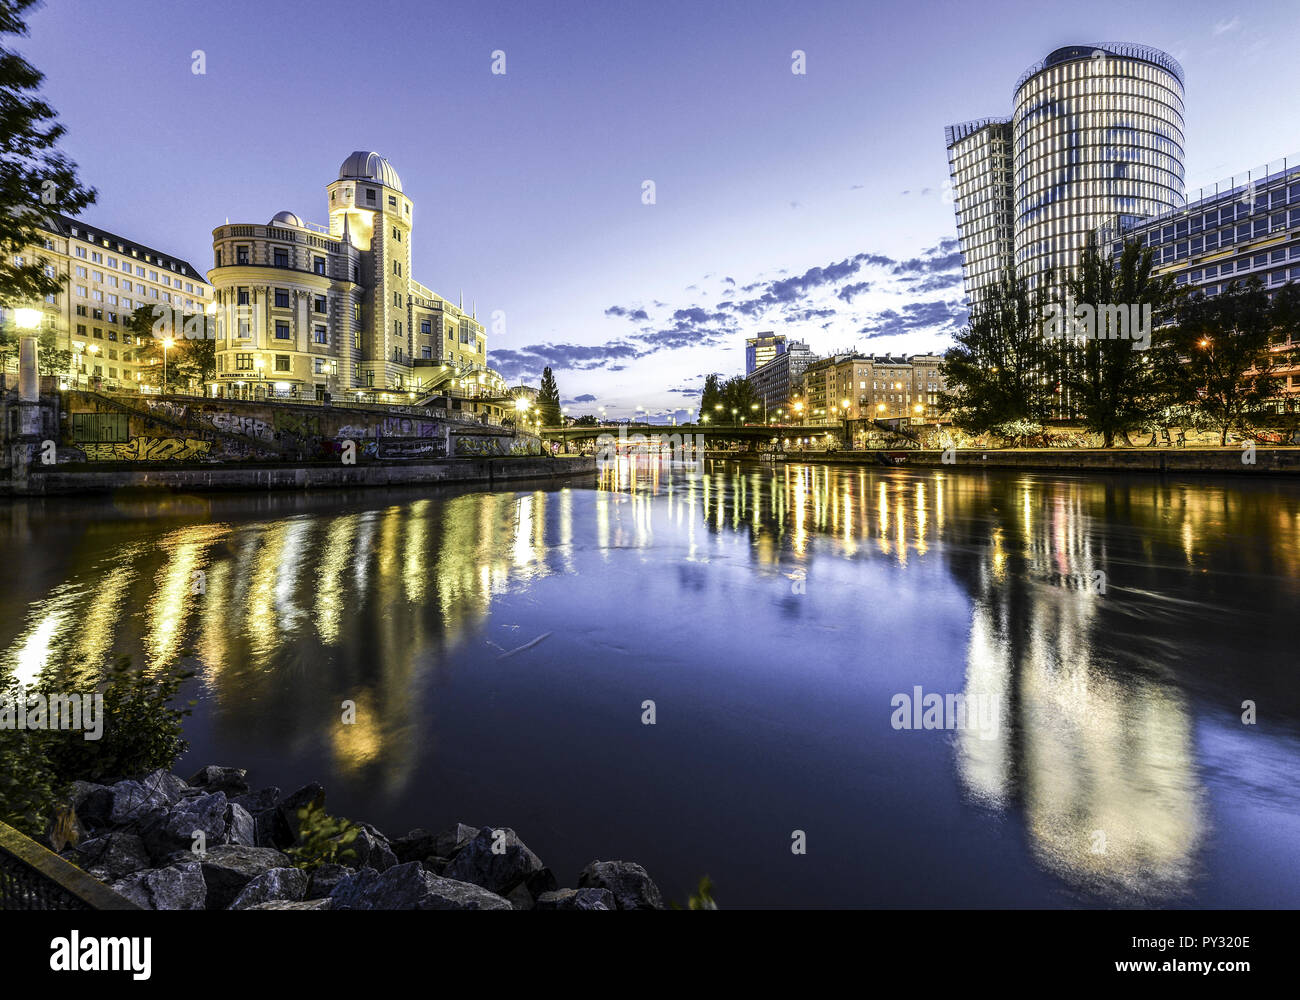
[495,446]
[144,449]
[297,422]
[168,409]
[233,423]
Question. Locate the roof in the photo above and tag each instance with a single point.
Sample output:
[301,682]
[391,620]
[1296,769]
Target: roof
[1098,50]
[65,226]
[370,166]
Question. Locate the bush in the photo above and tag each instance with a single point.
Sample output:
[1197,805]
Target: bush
[322,839]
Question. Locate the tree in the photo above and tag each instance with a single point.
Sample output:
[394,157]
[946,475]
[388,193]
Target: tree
[548,399]
[1221,353]
[586,420]
[710,397]
[193,354]
[738,394]
[34,177]
[1109,378]
[998,370]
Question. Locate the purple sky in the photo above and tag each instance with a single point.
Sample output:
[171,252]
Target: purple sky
[811,205]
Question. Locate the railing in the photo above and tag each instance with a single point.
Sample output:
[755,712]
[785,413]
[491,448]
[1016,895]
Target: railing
[34,878]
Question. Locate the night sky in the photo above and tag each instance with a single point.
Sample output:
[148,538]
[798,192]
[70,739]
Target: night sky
[810,204]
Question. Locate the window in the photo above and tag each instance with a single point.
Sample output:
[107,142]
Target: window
[320,366]
[283,363]
[218,258]
[370,195]
[319,335]
[318,264]
[244,330]
[426,326]
[426,352]
[243,362]
[392,200]
[241,257]
[281,257]
[281,330]
[320,303]
[241,295]
[282,298]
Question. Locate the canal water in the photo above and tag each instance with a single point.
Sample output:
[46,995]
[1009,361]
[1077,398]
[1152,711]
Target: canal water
[955,688]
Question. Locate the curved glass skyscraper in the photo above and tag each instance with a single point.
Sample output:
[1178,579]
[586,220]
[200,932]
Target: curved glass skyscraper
[1096,133]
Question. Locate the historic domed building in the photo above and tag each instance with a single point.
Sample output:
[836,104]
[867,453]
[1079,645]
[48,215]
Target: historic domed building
[320,312]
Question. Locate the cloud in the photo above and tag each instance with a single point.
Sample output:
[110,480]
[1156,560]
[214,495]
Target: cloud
[1223,27]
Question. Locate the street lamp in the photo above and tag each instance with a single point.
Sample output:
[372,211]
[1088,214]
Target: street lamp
[167,343]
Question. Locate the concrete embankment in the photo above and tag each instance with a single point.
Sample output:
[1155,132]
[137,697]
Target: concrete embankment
[105,477]
[1214,461]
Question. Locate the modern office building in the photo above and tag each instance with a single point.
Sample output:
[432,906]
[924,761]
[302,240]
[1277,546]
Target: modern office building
[106,278]
[1245,226]
[1095,133]
[762,349]
[780,378]
[318,311]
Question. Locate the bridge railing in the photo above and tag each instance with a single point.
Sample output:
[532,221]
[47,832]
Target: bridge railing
[34,878]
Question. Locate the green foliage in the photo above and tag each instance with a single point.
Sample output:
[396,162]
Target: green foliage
[34,177]
[322,839]
[719,399]
[548,399]
[586,420]
[141,732]
[1000,368]
[1021,433]
[192,356]
[702,899]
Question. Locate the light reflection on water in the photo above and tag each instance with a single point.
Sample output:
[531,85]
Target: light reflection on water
[784,607]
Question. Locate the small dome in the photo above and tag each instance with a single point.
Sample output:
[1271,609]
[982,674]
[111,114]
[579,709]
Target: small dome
[288,218]
[370,166]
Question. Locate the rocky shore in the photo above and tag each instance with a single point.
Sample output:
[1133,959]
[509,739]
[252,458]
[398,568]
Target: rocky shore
[214,843]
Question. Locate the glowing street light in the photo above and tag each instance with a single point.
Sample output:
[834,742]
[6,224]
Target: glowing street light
[167,343]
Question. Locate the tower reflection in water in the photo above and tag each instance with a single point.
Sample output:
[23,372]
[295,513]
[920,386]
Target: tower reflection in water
[300,605]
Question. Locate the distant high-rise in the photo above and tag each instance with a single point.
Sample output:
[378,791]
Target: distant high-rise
[1096,133]
[762,349]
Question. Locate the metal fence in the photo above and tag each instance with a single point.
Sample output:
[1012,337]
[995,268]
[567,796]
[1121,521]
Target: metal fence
[34,878]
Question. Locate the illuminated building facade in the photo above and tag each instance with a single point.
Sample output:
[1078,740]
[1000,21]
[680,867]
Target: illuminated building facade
[316,311]
[872,387]
[762,349]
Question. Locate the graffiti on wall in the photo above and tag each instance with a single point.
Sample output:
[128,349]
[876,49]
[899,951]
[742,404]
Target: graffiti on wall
[144,449]
[168,409]
[296,422]
[407,428]
[233,423]
[495,446]
[412,448]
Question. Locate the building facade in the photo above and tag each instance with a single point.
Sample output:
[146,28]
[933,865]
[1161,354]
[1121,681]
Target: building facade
[107,277]
[316,311]
[781,378]
[762,349]
[1245,226]
[864,387]
[1096,133]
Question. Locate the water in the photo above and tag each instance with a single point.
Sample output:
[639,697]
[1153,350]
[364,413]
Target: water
[773,617]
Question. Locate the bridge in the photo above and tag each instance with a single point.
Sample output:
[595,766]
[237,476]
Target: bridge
[751,434]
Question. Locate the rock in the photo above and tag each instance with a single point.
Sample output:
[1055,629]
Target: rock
[371,850]
[410,887]
[541,881]
[476,862]
[111,857]
[449,843]
[284,904]
[577,899]
[323,878]
[240,826]
[228,868]
[278,884]
[435,864]
[221,779]
[629,883]
[520,898]
[415,846]
[284,830]
[133,802]
[181,887]
[174,830]
[257,802]
[92,803]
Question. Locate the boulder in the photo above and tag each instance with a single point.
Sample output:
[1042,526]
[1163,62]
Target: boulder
[414,846]
[221,779]
[257,802]
[371,850]
[410,887]
[479,863]
[240,826]
[285,904]
[228,868]
[92,803]
[629,883]
[167,783]
[136,802]
[180,887]
[278,884]
[112,856]
[284,829]
[174,829]
[323,878]
[448,843]
[577,899]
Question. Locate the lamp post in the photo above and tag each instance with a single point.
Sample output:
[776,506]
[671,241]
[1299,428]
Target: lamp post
[167,344]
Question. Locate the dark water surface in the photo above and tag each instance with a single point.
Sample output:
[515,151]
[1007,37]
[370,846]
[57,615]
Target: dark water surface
[772,616]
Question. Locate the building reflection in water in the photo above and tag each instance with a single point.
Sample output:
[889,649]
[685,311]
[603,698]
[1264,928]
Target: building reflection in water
[291,613]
